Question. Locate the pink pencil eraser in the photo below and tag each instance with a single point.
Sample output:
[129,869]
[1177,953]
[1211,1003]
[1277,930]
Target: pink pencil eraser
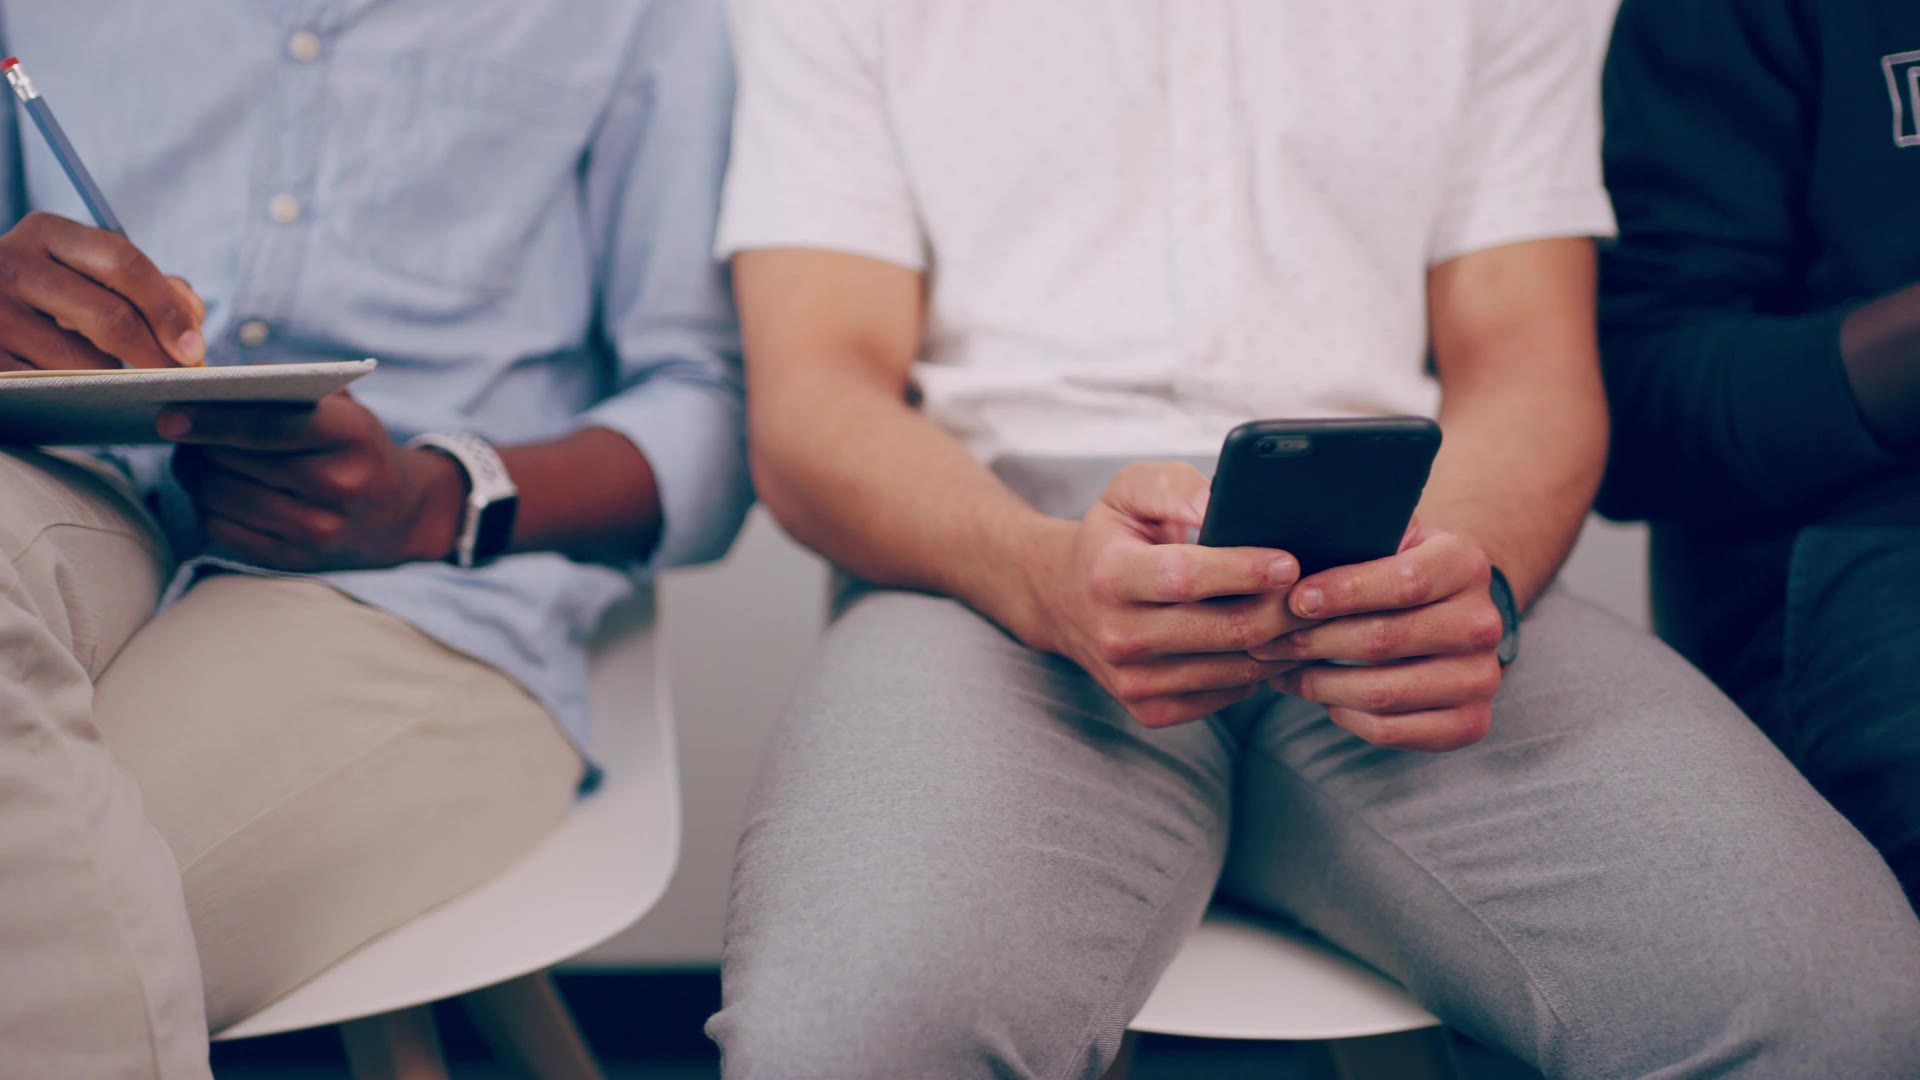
[9,63]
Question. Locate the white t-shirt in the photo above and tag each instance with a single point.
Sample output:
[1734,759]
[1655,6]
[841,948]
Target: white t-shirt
[1145,221]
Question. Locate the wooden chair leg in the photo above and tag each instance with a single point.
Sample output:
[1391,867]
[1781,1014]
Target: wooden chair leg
[529,1026]
[1123,1065]
[1426,1054]
[395,1046]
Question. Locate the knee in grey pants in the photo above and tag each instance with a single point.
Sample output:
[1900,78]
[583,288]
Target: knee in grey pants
[943,860]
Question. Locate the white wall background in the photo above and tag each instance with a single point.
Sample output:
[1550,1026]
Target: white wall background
[738,635]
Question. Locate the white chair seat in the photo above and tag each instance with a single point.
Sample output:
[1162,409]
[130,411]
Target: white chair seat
[604,868]
[1240,979]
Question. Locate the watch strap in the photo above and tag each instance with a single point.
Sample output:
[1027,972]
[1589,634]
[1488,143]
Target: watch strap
[486,520]
[1509,647]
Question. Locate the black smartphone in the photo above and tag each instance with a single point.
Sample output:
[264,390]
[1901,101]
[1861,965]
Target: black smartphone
[1330,492]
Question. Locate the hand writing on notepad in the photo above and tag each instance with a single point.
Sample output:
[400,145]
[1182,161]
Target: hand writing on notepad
[75,297]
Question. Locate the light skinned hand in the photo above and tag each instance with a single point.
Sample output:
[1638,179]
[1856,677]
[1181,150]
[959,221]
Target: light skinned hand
[1162,625]
[1423,625]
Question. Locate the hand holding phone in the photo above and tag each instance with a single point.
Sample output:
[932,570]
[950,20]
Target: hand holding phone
[1403,650]
[1165,627]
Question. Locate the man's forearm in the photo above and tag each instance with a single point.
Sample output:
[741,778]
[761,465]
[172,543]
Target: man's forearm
[1517,473]
[894,500]
[1523,407]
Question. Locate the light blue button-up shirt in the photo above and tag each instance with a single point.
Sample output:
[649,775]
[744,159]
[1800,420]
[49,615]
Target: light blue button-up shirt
[510,203]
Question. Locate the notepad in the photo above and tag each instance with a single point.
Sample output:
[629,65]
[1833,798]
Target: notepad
[118,406]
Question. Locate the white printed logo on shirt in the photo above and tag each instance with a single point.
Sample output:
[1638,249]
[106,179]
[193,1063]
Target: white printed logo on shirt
[1903,83]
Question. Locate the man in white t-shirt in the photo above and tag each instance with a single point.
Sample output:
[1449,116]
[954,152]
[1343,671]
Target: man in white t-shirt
[990,252]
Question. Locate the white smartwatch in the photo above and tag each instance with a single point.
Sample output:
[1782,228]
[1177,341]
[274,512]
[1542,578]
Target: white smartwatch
[486,525]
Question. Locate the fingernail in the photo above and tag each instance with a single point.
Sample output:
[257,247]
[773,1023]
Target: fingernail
[173,425]
[193,347]
[1282,571]
[1308,602]
[1199,505]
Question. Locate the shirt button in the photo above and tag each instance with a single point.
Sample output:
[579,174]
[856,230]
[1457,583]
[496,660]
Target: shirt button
[304,46]
[254,334]
[284,209]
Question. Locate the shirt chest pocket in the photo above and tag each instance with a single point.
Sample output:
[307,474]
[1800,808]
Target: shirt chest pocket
[447,169]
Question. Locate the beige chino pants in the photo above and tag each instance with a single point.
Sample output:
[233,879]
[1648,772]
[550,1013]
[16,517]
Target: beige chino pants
[202,809]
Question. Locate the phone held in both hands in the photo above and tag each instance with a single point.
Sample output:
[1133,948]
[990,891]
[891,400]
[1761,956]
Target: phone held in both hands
[1328,492]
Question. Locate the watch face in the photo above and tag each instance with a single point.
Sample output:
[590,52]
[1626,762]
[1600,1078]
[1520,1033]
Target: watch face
[494,531]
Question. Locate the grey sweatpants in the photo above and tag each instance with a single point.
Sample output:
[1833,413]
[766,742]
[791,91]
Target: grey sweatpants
[963,860]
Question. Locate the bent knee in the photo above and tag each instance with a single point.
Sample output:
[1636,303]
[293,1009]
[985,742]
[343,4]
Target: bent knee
[869,1034]
[883,1014]
[1814,1000]
[1838,1014]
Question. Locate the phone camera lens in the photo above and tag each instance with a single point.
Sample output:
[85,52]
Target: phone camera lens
[1283,446]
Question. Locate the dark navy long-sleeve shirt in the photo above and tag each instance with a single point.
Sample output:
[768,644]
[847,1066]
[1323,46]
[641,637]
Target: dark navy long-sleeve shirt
[1764,161]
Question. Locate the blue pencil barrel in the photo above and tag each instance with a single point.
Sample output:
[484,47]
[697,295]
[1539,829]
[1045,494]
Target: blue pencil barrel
[63,151]
[70,161]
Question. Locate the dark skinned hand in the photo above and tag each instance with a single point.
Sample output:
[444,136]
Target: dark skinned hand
[73,297]
[313,488]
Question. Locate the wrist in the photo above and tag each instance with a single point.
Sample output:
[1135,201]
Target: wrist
[1504,602]
[440,504]
[1042,552]
[1879,350]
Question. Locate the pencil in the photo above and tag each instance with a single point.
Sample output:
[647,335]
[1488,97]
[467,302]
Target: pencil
[63,151]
